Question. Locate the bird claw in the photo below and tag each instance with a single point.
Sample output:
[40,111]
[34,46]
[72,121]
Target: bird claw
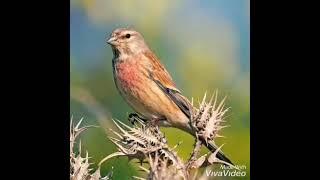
[134,117]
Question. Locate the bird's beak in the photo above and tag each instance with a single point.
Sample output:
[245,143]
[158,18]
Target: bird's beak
[112,41]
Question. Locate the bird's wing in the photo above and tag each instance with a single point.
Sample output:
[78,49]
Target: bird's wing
[163,79]
[182,102]
[159,72]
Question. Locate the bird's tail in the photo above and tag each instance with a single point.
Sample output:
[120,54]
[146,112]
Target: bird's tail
[212,147]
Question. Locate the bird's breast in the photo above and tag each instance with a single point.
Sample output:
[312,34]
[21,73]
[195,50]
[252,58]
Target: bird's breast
[127,74]
[135,87]
[131,80]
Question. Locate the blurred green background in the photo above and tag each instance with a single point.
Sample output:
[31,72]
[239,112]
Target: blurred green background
[203,44]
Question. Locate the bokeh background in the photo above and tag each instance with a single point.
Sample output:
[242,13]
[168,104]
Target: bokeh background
[203,44]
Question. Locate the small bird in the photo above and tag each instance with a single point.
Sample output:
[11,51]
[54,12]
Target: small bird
[146,85]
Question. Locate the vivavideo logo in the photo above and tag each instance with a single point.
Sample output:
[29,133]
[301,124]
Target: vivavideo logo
[239,171]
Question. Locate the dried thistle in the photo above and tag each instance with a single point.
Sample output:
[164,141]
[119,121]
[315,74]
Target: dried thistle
[80,166]
[206,122]
[162,169]
[208,118]
[142,142]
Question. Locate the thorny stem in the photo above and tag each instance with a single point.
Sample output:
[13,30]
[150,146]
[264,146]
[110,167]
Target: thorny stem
[195,152]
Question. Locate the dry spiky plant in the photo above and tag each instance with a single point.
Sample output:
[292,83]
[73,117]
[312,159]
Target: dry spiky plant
[145,141]
[80,166]
[207,122]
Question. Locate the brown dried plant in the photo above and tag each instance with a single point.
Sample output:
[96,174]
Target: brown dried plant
[145,141]
[79,165]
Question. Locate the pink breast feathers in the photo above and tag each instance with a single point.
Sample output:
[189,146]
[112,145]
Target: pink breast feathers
[128,74]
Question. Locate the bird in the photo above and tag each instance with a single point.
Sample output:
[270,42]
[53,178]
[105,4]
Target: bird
[145,84]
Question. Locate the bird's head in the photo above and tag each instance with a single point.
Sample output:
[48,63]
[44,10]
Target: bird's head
[127,41]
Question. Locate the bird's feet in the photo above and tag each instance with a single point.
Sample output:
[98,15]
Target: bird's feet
[134,117]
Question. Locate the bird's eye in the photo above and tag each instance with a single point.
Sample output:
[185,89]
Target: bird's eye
[128,36]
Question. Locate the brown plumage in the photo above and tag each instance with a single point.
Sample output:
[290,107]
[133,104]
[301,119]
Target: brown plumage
[145,84]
